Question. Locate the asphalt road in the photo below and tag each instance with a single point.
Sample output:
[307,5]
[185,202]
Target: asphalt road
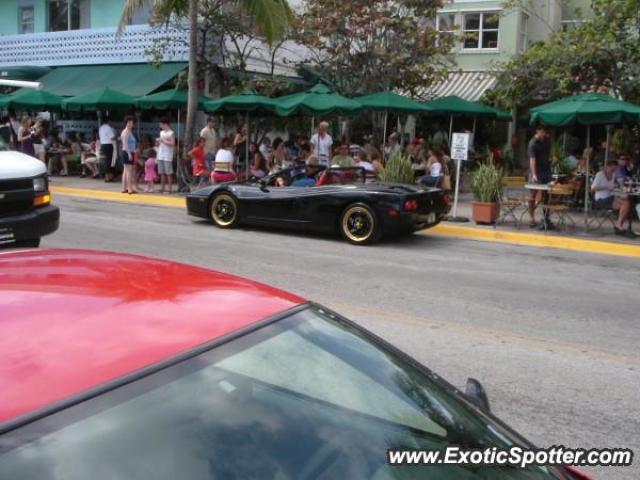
[552,335]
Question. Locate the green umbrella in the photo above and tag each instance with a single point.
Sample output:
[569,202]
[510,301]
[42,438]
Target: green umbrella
[586,109]
[243,102]
[174,99]
[246,102]
[35,100]
[456,106]
[103,99]
[320,100]
[391,102]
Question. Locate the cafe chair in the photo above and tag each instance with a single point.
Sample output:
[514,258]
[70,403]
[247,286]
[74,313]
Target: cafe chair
[513,205]
[558,204]
[601,217]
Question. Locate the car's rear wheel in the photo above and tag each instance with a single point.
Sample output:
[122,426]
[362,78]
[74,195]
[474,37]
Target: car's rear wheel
[223,210]
[359,224]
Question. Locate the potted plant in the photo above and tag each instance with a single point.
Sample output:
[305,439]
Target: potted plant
[398,170]
[486,185]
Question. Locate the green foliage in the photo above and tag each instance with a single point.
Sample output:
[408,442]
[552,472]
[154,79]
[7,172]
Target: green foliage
[364,46]
[398,170]
[601,54]
[486,183]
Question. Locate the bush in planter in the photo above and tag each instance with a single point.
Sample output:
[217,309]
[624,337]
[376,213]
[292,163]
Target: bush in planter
[398,170]
[486,185]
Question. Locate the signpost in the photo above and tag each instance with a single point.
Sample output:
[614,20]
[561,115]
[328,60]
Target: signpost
[459,153]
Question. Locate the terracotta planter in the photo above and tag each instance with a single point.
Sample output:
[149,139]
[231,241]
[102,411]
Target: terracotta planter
[485,213]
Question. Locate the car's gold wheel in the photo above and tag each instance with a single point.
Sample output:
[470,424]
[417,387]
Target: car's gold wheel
[359,224]
[224,210]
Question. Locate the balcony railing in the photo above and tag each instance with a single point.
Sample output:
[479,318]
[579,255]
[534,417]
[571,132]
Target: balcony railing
[93,46]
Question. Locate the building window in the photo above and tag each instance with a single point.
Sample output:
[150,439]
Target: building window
[570,24]
[480,30]
[446,24]
[26,20]
[524,32]
[67,15]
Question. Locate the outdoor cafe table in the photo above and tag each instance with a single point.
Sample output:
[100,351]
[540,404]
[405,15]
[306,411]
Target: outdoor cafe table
[540,187]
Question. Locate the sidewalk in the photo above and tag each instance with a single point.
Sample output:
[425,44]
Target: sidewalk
[603,242]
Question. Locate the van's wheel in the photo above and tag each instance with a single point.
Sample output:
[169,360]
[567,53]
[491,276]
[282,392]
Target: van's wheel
[359,224]
[223,210]
[32,243]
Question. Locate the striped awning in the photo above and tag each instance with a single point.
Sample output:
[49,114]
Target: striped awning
[467,85]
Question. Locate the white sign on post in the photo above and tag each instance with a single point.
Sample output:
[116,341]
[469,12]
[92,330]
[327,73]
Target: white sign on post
[459,152]
[460,146]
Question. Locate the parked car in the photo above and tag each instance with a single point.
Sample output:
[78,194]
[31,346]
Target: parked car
[316,199]
[26,213]
[117,366]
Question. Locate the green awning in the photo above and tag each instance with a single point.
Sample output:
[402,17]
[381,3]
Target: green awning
[23,73]
[136,79]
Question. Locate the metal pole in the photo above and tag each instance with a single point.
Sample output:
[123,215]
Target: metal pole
[450,131]
[586,181]
[606,150]
[384,135]
[246,159]
[455,195]
[475,119]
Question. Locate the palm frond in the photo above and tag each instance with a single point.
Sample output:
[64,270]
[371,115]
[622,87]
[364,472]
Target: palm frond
[272,18]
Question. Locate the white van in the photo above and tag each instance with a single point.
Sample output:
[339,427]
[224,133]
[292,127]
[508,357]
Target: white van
[26,213]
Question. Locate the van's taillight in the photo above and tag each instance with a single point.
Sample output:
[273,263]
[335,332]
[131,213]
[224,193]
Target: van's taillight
[447,199]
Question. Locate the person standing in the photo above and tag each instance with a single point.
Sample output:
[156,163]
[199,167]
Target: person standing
[129,146]
[108,152]
[322,144]
[25,137]
[166,148]
[211,141]
[7,134]
[539,153]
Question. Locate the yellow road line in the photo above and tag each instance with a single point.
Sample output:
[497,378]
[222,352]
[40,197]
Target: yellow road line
[471,233]
[537,240]
[158,200]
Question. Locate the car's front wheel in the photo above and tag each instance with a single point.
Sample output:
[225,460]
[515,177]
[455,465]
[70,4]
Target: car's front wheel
[224,211]
[359,224]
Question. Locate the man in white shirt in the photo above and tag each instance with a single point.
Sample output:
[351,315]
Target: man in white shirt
[166,147]
[211,141]
[322,143]
[603,186]
[108,152]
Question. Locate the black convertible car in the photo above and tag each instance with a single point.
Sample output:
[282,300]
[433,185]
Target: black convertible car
[324,200]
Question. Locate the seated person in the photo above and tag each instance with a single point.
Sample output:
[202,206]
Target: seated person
[435,169]
[56,153]
[89,157]
[603,186]
[342,158]
[74,157]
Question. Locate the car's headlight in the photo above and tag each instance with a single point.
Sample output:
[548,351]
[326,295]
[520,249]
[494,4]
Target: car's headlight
[40,184]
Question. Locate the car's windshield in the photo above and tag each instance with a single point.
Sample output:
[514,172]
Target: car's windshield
[309,396]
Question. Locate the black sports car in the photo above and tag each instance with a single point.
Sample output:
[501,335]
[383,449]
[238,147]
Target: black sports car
[324,200]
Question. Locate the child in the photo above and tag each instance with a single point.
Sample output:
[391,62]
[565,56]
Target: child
[150,173]
[200,172]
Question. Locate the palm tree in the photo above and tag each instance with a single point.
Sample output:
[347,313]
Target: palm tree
[270,17]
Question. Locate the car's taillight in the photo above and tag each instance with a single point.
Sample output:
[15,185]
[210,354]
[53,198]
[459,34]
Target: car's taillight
[576,474]
[447,199]
[410,205]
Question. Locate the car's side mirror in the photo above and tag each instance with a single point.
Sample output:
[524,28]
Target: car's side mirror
[263,185]
[476,394]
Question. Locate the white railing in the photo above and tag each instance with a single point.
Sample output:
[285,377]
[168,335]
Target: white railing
[93,46]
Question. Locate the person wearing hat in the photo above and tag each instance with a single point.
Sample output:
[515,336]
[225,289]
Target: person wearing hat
[209,135]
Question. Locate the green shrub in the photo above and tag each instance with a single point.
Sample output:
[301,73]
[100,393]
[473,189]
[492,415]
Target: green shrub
[398,170]
[486,183]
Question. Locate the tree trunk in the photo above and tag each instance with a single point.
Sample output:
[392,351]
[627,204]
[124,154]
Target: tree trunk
[192,105]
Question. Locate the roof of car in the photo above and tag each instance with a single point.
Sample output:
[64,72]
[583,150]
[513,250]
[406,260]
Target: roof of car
[73,320]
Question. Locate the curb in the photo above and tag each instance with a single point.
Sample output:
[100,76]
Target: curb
[453,231]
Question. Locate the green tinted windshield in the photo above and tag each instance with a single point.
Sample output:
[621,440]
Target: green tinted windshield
[309,396]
